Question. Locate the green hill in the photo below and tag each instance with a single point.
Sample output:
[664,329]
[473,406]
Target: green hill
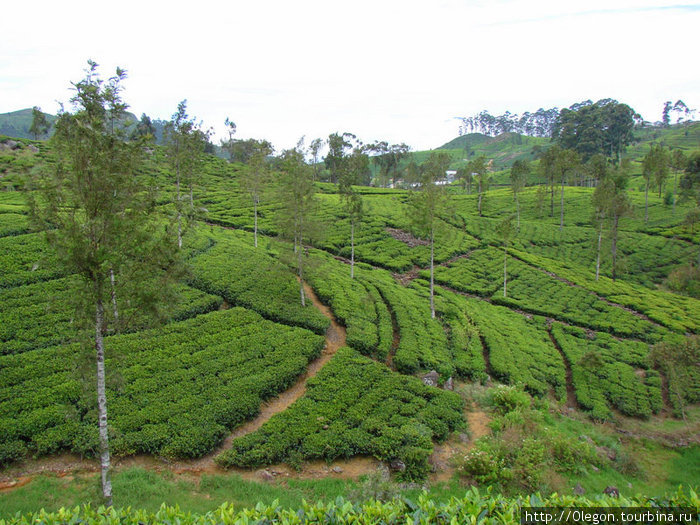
[17,123]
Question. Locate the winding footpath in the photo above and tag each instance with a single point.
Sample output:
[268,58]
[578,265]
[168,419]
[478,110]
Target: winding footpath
[68,464]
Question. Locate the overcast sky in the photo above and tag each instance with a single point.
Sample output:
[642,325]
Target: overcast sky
[384,70]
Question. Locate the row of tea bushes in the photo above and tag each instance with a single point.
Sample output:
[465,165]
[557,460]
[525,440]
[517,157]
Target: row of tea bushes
[610,373]
[354,406]
[519,348]
[44,314]
[249,277]
[472,508]
[174,391]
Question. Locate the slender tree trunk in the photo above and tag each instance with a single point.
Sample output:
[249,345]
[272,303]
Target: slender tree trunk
[177,183]
[102,400]
[480,194]
[551,198]
[646,203]
[300,263]
[675,182]
[191,198]
[517,209]
[352,249]
[114,296]
[597,262]
[432,273]
[505,273]
[561,219]
[255,214]
[614,247]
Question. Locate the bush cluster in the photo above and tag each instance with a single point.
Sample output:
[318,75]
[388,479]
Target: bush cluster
[354,406]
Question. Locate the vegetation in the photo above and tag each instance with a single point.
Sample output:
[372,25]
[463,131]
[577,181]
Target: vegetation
[585,314]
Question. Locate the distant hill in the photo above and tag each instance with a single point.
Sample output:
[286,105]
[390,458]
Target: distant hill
[17,123]
[504,149]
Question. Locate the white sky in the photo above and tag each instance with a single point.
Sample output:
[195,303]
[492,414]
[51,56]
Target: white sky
[396,70]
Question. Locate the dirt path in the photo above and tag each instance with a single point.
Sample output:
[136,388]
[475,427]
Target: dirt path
[444,454]
[63,464]
[571,400]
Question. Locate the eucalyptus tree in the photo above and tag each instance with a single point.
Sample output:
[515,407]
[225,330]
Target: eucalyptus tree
[315,150]
[351,173]
[518,175]
[229,145]
[255,178]
[654,167]
[99,218]
[185,141]
[427,204]
[678,163]
[298,203]
[479,169]
[338,146]
[40,124]
[567,161]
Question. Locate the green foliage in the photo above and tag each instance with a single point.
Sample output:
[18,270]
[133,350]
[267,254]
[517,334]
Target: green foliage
[174,391]
[610,373]
[354,406]
[263,284]
[491,509]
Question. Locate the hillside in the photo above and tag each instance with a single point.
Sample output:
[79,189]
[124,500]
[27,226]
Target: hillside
[17,123]
[242,378]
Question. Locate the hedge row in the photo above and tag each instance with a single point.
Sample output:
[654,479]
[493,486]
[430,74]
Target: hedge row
[13,224]
[519,348]
[44,314]
[423,344]
[354,406]
[473,507]
[678,313]
[26,259]
[610,373]
[248,277]
[174,391]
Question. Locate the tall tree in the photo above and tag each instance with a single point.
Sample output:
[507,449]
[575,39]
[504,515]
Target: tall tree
[619,206]
[185,141]
[654,167]
[338,146]
[518,175]
[479,168]
[98,216]
[567,161]
[315,149]
[254,179]
[298,199]
[351,173]
[229,144]
[679,161]
[426,206]
[144,128]
[40,125]
[505,231]
[602,127]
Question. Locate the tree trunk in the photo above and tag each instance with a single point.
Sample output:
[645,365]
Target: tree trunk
[179,230]
[102,400]
[614,247]
[646,203]
[191,198]
[480,193]
[301,272]
[551,198]
[505,274]
[432,272]
[517,209]
[561,220]
[114,296]
[597,262]
[255,214]
[352,249]
[675,182]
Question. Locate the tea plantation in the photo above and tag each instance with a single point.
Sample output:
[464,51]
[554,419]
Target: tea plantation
[235,335]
